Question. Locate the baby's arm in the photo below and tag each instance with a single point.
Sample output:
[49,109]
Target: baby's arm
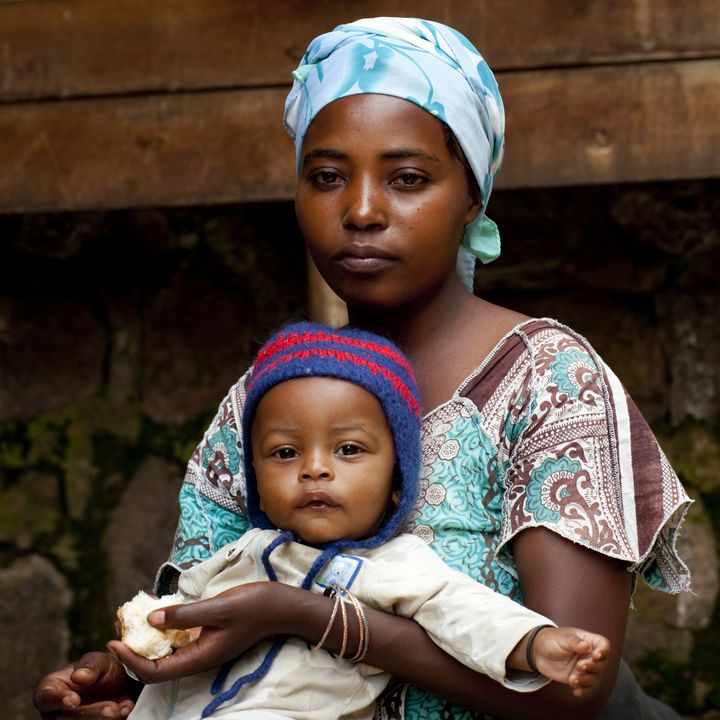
[567,655]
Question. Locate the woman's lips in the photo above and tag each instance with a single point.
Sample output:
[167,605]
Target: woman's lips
[364,259]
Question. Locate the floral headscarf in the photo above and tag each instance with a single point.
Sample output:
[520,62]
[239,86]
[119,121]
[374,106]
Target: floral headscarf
[427,63]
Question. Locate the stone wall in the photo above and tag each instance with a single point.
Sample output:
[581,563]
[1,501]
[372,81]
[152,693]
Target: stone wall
[120,333]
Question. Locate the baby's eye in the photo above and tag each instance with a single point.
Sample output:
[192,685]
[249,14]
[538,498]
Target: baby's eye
[349,449]
[285,453]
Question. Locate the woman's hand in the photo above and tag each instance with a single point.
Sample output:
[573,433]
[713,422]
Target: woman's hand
[96,686]
[231,622]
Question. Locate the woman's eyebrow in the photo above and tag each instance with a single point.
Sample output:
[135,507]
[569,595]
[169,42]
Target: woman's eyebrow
[323,153]
[388,155]
[409,153]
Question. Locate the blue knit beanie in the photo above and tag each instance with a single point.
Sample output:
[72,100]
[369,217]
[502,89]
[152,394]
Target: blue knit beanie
[309,350]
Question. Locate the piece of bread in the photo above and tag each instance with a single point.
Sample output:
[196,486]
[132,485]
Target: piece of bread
[142,637]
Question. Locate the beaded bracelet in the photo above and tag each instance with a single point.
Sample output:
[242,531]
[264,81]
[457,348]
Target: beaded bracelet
[528,647]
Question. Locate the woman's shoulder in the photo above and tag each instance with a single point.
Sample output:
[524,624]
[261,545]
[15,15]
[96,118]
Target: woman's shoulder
[528,347]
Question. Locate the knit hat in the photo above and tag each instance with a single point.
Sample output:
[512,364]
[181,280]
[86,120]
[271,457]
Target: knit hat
[309,350]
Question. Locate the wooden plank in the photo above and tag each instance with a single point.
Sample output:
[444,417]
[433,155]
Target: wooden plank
[612,124]
[565,127]
[514,34]
[78,48]
[175,149]
[66,48]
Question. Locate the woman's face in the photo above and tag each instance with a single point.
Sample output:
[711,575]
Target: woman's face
[381,201]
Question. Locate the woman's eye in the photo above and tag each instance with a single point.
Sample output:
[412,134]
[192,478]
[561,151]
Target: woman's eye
[285,453]
[409,179]
[326,177]
[349,449]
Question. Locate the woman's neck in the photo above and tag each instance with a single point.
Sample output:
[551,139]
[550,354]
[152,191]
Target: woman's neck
[445,338]
[411,325]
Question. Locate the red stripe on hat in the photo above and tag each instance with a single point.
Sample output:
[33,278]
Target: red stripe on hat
[374,367]
[287,341]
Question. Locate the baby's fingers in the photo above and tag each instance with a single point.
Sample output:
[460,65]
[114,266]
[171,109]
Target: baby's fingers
[601,650]
[582,642]
[589,665]
[582,682]
[599,643]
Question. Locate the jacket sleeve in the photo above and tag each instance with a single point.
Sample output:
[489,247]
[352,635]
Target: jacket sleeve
[469,621]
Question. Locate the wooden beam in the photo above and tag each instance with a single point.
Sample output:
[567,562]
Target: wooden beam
[67,48]
[80,48]
[179,149]
[576,126]
[517,34]
[625,123]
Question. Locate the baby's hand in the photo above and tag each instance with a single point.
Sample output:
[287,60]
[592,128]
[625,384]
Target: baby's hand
[571,656]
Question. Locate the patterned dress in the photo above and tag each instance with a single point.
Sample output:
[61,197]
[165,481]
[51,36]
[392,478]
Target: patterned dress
[541,434]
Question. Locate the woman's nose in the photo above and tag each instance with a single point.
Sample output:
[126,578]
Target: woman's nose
[317,466]
[366,206]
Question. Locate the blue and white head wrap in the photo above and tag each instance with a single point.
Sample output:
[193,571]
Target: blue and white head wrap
[427,63]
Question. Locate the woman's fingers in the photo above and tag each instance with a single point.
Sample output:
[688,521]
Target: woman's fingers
[54,693]
[189,615]
[200,655]
[231,622]
[95,711]
[54,699]
[61,689]
[92,687]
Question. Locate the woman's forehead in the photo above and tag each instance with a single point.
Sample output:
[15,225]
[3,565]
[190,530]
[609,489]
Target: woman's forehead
[383,120]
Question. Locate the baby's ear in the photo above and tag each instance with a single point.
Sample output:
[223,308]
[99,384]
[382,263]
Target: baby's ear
[395,498]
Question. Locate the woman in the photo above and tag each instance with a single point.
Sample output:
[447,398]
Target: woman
[540,478]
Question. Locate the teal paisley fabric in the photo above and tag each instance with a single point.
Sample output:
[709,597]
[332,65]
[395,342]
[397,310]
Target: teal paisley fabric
[542,434]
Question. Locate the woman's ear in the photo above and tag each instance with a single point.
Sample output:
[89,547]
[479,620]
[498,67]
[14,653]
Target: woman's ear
[395,498]
[474,205]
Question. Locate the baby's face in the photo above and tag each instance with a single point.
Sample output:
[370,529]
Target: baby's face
[324,459]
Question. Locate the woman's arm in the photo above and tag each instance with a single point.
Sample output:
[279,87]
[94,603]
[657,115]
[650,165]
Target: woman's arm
[569,584]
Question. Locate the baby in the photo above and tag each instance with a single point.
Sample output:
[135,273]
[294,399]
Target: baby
[331,436]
